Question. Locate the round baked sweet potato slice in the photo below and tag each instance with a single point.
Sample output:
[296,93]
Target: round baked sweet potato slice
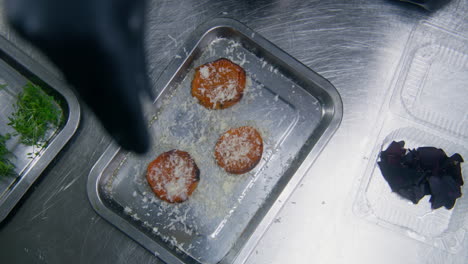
[218,84]
[173,176]
[239,150]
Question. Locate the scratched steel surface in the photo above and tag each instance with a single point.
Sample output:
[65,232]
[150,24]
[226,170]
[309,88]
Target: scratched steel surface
[355,44]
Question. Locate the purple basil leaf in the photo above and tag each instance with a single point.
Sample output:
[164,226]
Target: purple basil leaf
[431,159]
[413,193]
[414,173]
[457,157]
[411,158]
[452,167]
[427,188]
[444,191]
[394,153]
[399,177]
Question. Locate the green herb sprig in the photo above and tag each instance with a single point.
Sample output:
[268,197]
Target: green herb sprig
[35,113]
[6,167]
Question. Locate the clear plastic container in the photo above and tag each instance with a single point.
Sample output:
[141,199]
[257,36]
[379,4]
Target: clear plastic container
[427,108]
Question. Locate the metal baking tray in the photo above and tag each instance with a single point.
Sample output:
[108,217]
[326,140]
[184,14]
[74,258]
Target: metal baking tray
[16,69]
[296,111]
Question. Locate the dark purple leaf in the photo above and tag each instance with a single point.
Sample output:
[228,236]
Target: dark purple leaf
[422,171]
[410,159]
[431,158]
[398,177]
[452,167]
[393,154]
[413,193]
[444,191]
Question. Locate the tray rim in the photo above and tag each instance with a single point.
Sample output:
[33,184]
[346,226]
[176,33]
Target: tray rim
[10,199]
[163,80]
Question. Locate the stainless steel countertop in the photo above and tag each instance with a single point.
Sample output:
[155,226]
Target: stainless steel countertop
[353,43]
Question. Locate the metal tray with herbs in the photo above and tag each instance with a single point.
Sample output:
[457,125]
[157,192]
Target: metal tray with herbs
[38,115]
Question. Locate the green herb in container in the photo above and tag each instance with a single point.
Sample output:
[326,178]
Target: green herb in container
[6,167]
[35,113]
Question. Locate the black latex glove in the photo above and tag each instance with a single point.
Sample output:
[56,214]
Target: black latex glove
[428,4]
[98,45]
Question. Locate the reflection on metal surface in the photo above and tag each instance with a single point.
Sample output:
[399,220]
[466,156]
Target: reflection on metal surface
[296,110]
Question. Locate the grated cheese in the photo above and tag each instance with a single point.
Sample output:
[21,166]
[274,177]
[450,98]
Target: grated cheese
[205,72]
[223,93]
[127,210]
[237,149]
[175,184]
[193,128]
[224,90]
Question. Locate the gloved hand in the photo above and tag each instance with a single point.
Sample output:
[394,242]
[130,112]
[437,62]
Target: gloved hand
[98,45]
[428,4]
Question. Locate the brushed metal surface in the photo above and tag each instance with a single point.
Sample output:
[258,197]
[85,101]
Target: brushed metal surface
[355,44]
